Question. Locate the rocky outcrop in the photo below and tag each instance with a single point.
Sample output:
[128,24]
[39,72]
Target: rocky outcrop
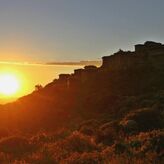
[147,55]
[151,48]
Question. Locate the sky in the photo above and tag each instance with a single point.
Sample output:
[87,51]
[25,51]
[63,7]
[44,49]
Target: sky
[73,30]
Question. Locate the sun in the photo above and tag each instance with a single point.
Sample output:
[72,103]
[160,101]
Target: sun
[9,84]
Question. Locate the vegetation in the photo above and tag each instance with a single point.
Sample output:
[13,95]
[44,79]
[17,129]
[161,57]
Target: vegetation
[104,117]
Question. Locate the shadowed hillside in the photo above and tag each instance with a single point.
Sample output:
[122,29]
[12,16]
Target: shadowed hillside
[108,113]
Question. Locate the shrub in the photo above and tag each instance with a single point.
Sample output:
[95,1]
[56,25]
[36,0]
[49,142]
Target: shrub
[153,141]
[15,145]
[147,145]
[129,126]
[120,148]
[91,122]
[146,118]
[89,127]
[39,138]
[87,130]
[74,143]
[44,137]
[87,158]
[116,154]
[107,133]
[42,156]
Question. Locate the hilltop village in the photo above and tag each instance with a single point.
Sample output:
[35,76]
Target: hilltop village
[147,56]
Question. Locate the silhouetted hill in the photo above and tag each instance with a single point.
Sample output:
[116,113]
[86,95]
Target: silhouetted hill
[112,112]
[92,91]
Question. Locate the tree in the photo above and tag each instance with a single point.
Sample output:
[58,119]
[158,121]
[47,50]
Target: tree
[38,87]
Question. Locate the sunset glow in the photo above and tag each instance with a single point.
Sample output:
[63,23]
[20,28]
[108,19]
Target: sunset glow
[9,84]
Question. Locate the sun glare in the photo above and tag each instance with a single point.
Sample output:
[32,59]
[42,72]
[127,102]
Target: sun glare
[9,84]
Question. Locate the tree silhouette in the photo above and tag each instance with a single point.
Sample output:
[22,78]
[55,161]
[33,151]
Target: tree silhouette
[38,87]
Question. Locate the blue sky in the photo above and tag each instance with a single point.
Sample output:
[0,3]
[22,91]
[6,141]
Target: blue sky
[71,30]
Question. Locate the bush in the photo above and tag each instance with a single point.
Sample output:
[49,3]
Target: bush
[84,158]
[39,157]
[92,122]
[107,133]
[149,141]
[74,143]
[44,137]
[87,130]
[129,126]
[146,118]
[89,127]
[15,145]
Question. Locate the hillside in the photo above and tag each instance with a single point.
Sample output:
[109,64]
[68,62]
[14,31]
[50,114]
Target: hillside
[110,113]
